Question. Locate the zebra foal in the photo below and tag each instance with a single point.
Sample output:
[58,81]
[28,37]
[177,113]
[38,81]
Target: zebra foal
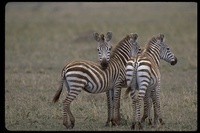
[142,73]
[94,78]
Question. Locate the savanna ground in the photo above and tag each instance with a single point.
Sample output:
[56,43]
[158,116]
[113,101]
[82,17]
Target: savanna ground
[40,38]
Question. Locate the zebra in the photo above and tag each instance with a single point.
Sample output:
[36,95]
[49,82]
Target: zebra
[91,77]
[142,73]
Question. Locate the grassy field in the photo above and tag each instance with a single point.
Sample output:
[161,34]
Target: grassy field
[40,38]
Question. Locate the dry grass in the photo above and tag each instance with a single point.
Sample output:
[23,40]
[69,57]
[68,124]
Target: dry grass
[41,37]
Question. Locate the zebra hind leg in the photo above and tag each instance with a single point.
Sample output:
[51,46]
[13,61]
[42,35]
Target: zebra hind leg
[134,100]
[147,110]
[140,98]
[66,113]
[66,109]
[157,112]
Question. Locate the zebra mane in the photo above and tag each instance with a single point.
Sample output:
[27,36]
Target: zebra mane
[102,37]
[150,42]
[152,50]
[120,44]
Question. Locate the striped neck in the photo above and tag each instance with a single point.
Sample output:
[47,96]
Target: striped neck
[153,50]
[121,53]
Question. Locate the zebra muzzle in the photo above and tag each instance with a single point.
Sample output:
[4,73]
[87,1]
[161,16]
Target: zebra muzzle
[104,63]
[174,62]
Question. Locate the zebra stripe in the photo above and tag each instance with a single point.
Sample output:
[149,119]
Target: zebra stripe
[142,73]
[89,76]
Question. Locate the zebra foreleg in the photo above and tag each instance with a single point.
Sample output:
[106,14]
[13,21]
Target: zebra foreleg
[109,95]
[116,113]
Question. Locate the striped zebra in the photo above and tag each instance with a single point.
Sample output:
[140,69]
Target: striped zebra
[142,73]
[89,76]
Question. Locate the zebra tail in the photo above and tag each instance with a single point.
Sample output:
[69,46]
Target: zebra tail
[57,95]
[132,85]
[127,91]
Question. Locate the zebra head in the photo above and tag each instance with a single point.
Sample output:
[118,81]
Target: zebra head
[135,47]
[165,52]
[104,48]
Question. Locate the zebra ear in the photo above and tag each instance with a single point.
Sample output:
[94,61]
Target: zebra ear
[108,36]
[161,37]
[96,36]
[134,36]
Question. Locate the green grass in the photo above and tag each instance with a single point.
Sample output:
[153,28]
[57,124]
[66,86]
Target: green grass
[40,38]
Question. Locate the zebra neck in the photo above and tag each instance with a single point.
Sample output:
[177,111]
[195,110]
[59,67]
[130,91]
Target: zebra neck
[154,53]
[121,56]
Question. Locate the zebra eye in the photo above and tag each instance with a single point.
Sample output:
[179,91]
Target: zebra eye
[97,49]
[109,48]
[167,48]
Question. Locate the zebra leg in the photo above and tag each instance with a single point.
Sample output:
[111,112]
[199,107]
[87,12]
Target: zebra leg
[138,106]
[109,95]
[141,95]
[133,97]
[147,109]
[155,109]
[156,102]
[66,108]
[118,107]
[116,103]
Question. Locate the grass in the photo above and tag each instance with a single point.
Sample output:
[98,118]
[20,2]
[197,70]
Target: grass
[40,38]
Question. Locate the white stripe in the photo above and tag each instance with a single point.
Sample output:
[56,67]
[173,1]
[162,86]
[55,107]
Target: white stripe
[129,67]
[143,91]
[75,78]
[143,67]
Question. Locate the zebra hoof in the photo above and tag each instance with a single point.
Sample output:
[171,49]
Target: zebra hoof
[71,126]
[152,126]
[133,125]
[140,127]
[150,122]
[107,123]
[161,122]
[65,123]
[143,118]
[115,123]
